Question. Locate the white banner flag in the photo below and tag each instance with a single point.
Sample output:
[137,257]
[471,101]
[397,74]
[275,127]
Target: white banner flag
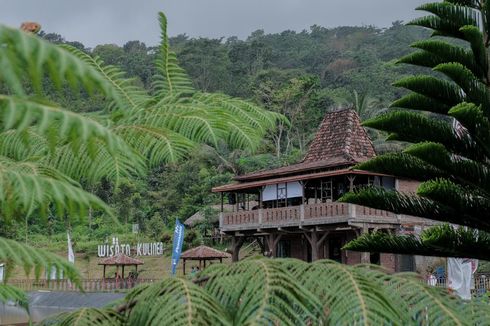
[71,256]
[459,274]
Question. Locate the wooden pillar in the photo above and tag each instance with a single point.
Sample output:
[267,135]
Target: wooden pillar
[315,242]
[222,201]
[236,244]
[204,263]
[365,256]
[286,194]
[272,241]
[260,198]
[123,271]
[104,273]
[183,265]
[351,179]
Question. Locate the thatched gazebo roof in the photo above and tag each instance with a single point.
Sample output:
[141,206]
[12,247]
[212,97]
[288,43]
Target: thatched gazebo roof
[121,260]
[203,254]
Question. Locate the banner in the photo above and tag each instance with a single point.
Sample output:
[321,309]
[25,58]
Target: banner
[71,255]
[177,246]
[459,271]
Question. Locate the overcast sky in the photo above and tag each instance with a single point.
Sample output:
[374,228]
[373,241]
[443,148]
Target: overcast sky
[95,22]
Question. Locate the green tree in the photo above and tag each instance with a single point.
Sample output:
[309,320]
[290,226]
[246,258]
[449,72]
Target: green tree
[446,118]
[285,292]
[50,155]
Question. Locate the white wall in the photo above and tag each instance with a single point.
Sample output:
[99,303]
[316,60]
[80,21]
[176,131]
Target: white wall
[294,190]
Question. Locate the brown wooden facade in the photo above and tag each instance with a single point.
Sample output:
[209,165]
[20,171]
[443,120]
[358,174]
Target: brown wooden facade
[293,211]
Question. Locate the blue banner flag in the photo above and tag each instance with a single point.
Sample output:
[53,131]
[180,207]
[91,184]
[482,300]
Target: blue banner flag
[178,241]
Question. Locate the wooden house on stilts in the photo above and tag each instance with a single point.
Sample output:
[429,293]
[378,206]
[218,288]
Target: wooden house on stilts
[293,211]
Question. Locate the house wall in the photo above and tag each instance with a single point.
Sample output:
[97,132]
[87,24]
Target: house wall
[388,261]
[407,186]
[297,248]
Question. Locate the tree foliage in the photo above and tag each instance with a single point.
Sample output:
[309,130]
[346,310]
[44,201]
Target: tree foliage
[289,292]
[446,118]
[50,155]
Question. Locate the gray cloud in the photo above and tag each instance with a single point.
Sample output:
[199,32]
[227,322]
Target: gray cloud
[118,21]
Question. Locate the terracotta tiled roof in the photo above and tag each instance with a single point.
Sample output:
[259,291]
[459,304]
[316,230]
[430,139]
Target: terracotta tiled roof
[341,135]
[204,252]
[121,260]
[340,142]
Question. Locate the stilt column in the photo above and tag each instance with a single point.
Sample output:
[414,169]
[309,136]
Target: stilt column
[315,241]
[236,244]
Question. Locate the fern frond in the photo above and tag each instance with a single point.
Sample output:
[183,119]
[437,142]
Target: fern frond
[11,293]
[86,317]
[34,260]
[130,95]
[20,113]
[171,78]
[348,295]
[158,145]
[430,305]
[24,56]
[91,165]
[27,186]
[263,291]
[176,302]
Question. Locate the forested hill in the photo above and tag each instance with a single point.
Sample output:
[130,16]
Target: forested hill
[300,74]
[343,59]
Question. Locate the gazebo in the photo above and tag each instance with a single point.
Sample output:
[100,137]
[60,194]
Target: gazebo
[203,254]
[120,260]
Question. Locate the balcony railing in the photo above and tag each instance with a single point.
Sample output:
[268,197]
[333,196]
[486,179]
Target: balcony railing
[323,213]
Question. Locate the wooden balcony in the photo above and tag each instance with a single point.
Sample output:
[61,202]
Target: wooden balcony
[314,214]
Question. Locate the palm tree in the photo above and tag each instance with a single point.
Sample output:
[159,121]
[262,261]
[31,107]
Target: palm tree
[49,154]
[445,117]
[285,292]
